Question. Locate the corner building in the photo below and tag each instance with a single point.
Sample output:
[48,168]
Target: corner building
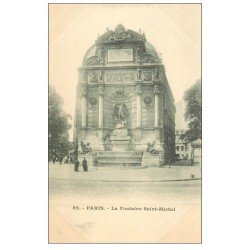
[124,102]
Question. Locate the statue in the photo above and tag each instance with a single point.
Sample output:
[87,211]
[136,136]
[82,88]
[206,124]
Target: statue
[151,149]
[119,34]
[156,74]
[86,147]
[138,74]
[100,75]
[120,114]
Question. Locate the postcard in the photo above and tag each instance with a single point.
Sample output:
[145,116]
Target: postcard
[125,128]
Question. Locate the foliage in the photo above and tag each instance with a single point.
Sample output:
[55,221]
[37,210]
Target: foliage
[58,124]
[193,113]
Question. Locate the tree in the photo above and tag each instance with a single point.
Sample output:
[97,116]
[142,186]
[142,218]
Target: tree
[193,112]
[58,124]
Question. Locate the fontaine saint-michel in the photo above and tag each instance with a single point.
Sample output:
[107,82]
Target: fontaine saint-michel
[125,109]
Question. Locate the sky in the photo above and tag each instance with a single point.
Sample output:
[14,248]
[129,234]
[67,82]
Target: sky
[173,29]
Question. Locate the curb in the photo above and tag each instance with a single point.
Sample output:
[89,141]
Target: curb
[194,179]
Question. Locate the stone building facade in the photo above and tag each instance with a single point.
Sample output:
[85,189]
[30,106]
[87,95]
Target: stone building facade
[183,150]
[125,109]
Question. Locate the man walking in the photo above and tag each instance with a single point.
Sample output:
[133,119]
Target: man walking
[84,164]
[76,165]
[53,159]
[60,159]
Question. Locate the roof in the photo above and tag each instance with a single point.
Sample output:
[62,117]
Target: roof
[150,49]
[120,35]
[90,52]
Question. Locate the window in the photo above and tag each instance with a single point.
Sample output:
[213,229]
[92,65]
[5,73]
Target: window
[182,148]
[177,148]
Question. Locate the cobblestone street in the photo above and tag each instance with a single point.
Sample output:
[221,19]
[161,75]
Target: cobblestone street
[66,171]
[107,189]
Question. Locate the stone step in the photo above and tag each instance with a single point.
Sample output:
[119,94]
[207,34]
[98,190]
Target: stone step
[119,158]
[114,161]
[124,167]
[115,165]
[119,153]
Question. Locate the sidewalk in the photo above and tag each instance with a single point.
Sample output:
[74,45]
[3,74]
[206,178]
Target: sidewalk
[152,174]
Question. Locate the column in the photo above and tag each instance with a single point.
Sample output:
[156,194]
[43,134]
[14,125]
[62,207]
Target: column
[157,93]
[82,96]
[100,124]
[84,110]
[138,105]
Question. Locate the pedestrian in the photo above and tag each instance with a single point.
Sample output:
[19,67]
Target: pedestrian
[76,166]
[70,159]
[169,163]
[85,165]
[53,159]
[66,160]
[61,159]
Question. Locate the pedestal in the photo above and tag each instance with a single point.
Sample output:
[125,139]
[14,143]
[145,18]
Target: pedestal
[151,160]
[121,145]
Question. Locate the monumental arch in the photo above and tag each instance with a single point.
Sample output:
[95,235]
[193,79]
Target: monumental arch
[125,108]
